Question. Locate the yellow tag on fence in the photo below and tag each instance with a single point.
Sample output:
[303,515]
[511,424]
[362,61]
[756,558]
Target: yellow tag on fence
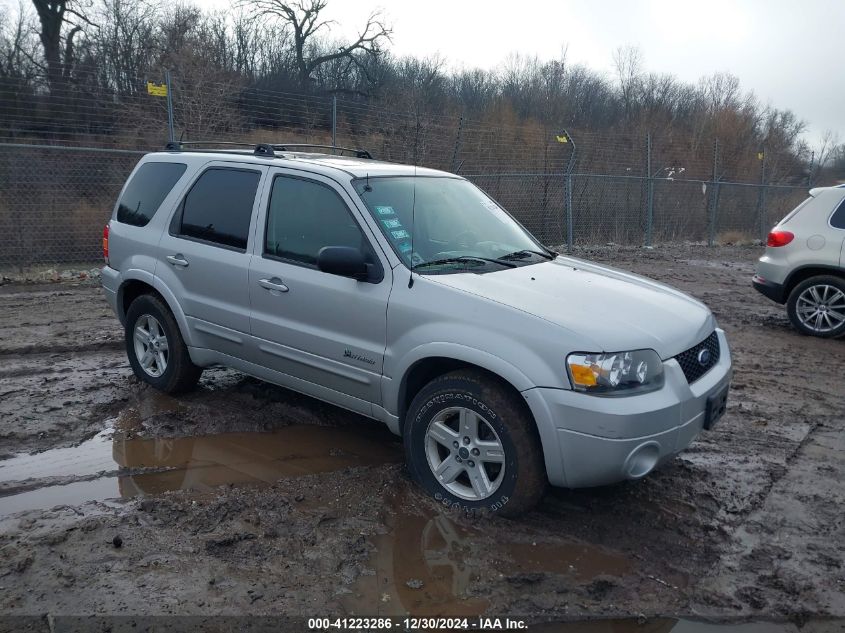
[157,90]
[562,139]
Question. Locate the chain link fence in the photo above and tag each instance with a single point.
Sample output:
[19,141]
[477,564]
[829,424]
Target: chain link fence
[65,156]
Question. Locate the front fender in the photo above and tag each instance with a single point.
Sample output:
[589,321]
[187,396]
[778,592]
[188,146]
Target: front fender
[392,389]
[455,351]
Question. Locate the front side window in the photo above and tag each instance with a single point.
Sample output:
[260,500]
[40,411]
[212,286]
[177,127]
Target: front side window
[303,217]
[146,191]
[445,225]
[218,208]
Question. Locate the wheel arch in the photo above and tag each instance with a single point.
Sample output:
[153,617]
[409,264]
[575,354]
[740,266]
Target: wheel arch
[450,356]
[806,272]
[137,283]
[431,361]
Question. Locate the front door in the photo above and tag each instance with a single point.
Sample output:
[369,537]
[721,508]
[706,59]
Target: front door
[325,332]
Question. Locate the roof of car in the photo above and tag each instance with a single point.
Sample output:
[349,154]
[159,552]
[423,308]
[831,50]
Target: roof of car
[328,164]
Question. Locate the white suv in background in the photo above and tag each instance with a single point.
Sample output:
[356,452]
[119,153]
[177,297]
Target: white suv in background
[804,264]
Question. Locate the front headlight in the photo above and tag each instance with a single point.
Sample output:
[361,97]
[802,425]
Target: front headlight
[619,373]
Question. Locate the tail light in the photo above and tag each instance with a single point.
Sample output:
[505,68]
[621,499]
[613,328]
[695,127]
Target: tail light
[779,238]
[106,243]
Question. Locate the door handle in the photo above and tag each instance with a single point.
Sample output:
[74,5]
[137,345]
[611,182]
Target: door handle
[177,260]
[273,284]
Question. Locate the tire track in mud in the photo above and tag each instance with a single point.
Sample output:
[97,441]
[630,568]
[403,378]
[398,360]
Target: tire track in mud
[40,348]
[778,419]
[60,318]
[58,398]
[61,369]
[786,555]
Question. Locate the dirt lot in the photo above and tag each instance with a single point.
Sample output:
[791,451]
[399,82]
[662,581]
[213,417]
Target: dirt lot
[246,498]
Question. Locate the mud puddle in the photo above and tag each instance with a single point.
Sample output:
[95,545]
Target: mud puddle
[114,464]
[431,564]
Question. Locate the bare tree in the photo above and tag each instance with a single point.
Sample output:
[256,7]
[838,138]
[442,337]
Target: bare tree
[59,47]
[126,44]
[628,63]
[18,46]
[825,152]
[836,169]
[304,18]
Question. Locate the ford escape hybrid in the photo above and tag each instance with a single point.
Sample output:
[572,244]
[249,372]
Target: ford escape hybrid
[410,296]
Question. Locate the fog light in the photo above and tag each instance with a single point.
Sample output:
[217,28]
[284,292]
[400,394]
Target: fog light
[642,460]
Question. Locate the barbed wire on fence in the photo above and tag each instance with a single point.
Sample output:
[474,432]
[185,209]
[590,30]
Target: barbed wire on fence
[64,157]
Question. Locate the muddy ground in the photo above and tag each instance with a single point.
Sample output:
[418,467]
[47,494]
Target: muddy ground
[245,498]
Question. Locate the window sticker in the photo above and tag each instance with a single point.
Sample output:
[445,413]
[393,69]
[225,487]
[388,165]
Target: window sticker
[392,223]
[398,235]
[385,211]
[496,211]
[405,247]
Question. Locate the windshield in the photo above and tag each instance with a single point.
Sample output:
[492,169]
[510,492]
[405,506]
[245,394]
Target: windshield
[442,224]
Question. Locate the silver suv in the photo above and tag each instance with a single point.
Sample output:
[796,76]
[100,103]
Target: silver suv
[804,264]
[410,296]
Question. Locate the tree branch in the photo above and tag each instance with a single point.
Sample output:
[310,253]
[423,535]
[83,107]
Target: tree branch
[366,42]
[81,17]
[303,18]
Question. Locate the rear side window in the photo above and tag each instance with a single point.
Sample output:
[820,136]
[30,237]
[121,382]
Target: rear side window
[146,191]
[303,217]
[218,208]
[837,220]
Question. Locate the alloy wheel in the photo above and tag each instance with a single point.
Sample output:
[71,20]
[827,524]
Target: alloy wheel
[821,308]
[151,347]
[465,453]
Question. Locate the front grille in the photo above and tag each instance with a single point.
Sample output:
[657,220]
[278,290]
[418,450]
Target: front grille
[689,360]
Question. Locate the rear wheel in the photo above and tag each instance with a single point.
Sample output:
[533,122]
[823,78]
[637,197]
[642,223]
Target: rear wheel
[157,353]
[470,441]
[816,306]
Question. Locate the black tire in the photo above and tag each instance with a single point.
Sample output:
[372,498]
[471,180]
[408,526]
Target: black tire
[792,305]
[180,373]
[523,482]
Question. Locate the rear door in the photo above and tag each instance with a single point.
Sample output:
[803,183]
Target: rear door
[325,332]
[204,255]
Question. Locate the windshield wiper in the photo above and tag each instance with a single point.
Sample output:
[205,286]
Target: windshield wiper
[522,253]
[464,258]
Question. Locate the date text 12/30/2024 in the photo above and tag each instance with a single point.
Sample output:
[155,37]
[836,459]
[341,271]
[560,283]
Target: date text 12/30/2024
[416,624]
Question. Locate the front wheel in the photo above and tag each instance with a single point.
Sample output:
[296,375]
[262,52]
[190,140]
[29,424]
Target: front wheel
[816,306]
[471,442]
[157,353]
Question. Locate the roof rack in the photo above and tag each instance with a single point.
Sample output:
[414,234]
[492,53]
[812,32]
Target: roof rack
[358,153]
[267,150]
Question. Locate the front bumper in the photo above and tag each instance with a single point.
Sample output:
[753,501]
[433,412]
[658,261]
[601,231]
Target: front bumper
[770,289]
[593,441]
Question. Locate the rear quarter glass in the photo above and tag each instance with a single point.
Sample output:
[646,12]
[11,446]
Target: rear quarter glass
[837,220]
[146,190]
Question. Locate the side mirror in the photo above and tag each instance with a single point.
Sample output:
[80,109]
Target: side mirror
[344,261]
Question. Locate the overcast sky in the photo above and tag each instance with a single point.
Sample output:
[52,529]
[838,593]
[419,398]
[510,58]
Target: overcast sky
[788,52]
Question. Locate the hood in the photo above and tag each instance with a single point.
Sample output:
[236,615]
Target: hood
[612,310]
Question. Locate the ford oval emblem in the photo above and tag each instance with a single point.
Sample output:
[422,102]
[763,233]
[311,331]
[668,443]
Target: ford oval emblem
[704,357]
